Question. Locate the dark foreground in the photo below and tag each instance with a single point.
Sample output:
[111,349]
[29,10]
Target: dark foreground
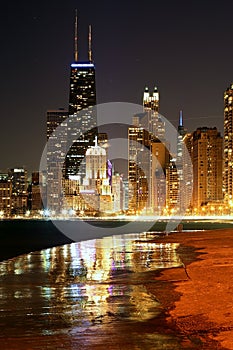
[24,236]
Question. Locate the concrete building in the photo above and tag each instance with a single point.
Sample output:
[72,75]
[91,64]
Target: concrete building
[207,158]
[96,189]
[35,204]
[118,193]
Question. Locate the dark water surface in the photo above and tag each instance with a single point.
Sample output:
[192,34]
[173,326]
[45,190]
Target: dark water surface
[23,236]
[87,295]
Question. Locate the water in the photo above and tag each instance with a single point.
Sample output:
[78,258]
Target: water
[86,295]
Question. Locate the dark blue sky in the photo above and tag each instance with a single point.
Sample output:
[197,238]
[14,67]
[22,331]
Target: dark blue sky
[183,47]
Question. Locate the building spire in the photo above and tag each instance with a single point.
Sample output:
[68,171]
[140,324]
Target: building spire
[76,37]
[96,141]
[90,44]
[181,118]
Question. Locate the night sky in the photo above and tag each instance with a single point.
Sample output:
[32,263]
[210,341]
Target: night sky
[183,47]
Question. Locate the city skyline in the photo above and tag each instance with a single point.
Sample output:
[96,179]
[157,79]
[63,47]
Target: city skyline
[38,44]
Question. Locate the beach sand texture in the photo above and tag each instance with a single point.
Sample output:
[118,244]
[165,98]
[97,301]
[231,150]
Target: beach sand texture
[203,307]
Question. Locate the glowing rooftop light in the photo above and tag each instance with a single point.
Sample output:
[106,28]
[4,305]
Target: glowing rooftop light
[46,212]
[84,65]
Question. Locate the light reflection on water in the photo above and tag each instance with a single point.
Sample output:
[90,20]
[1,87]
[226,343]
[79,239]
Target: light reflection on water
[82,285]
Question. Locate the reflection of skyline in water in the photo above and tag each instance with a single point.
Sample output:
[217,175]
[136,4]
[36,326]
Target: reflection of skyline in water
[85,284]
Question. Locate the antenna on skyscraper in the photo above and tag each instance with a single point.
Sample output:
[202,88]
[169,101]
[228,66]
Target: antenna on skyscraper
[76,37]
[90,44]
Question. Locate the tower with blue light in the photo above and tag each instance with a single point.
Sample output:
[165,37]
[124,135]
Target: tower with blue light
[81,126]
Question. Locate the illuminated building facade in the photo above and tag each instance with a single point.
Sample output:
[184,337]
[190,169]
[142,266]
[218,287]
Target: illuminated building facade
[96,190]
[19,197]
[207,158]
[160,159]
[147,158]
[138,169]
[172,187]
[5,195]
[56,150]
[175,175]
[228,145]
[152,121]
[118,193]
[182,160]
[187,171]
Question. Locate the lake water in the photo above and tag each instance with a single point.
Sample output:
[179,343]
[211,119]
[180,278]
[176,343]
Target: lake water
[89,295]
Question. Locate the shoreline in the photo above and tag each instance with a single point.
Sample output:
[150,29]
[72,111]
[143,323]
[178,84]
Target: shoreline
[19,236]
[198,298]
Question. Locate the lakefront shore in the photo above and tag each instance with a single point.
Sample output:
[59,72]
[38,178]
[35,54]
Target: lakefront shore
[194,301]
[200,302]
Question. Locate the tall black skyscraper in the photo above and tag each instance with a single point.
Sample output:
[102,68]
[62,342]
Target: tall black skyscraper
[81,126]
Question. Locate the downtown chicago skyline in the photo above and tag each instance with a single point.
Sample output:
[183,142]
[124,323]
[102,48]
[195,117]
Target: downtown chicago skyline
[133,47]
[83,95]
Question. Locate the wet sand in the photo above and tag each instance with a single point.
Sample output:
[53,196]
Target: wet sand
[200,304]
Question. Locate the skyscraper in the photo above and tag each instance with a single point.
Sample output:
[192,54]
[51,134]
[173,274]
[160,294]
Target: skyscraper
[147,157]
[152,121]
[81,128]
[19,180]
[34,194]
[56,149]
[138,169]
[207,167]
[228,144]
[181,158]
[172,187]
[96,190]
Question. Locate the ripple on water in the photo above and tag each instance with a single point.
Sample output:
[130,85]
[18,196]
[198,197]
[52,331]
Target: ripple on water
[83,287]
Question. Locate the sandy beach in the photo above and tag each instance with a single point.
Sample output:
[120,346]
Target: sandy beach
[200,305]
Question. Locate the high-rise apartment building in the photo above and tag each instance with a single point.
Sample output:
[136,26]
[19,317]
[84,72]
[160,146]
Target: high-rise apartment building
[35,200]
[207,158]
[183,161]
[160,159]
[176,176]
[81,128]
[152,120]
[187,190]
[172,188]
[19,197]
[228,145]
[147,149]
[138,169]
[5,195]
[117,192]
[56,151]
